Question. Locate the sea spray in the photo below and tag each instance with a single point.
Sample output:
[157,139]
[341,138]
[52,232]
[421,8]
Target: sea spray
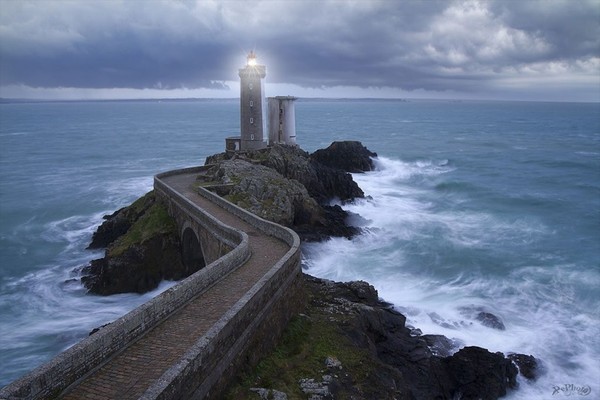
[442,260]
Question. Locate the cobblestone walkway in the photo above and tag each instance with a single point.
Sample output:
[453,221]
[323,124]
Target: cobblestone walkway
[128,374]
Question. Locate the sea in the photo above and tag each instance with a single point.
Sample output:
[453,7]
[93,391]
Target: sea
[474,207]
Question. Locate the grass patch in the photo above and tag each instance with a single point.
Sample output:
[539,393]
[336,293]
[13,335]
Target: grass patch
[241,199]
[138,206]
[301,353]
[156,220]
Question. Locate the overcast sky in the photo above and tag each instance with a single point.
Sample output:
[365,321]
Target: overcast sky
[511,49]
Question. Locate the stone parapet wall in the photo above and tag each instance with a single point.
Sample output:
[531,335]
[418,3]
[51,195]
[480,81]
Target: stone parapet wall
[217,239]
[213,359]
[251,327]
[206,368]
[50,379]
[270,228]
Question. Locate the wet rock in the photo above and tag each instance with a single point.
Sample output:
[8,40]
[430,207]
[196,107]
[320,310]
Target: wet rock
[490,320]
[527,364]
[137,261]
[139,269]
[119,222]
[479,374]
[440,345]
[323,182]
[426,367]
[485,317]
[282,184]
[349,156]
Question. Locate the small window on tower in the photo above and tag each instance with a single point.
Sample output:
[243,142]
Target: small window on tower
[251,103]
[250,86]
[251,120]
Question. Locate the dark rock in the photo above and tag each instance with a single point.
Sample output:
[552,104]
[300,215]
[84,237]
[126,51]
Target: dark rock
[479,374]
[283,185]
[323,182]
[265,192]
[276,191]
[490,320]
[423,369]
[332,223]
[349,156]
[140,259]
[485,317]
[119,222]
[527,364]
[440,345]
[140,268]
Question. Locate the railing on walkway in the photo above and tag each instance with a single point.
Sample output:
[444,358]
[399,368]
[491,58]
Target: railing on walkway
[219,345]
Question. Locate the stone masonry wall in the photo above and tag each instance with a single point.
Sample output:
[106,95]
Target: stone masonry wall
[50,379]
[234,341]
[242,332]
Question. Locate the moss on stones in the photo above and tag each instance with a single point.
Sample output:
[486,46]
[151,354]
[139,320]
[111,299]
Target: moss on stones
[155,220]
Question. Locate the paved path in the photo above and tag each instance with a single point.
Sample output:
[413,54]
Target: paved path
[128,374]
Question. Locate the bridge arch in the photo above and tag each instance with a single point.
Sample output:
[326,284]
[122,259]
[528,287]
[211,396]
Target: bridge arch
[191,249]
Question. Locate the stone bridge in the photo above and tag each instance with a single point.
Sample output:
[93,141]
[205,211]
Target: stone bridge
[187,342]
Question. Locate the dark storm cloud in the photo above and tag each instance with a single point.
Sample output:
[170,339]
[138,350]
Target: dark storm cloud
[432,45]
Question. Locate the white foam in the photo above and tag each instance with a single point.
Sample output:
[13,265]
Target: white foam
[124,191]
[539,304]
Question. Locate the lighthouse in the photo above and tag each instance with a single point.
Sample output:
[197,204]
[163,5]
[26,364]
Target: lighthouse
[251,104]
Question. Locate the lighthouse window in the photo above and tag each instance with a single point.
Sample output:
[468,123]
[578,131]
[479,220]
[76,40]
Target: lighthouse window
[250,86]
[251,120]
[251,103]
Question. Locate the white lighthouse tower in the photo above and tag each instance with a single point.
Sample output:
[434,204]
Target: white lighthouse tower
[251,104]
[282,120]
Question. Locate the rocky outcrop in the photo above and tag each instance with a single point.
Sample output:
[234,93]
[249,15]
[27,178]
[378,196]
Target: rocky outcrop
[349,156]
[323,182]
[376,355]
[283,184]
[139,259]
[346,343]
[119,222]
[139,269]
[264,192]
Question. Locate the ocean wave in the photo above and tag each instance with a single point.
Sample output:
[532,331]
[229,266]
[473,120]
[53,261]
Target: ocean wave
[435,257]
[73,230]
[123,191]
[6,134]
[397,170]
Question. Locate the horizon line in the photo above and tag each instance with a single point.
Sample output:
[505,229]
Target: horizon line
[9,100]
